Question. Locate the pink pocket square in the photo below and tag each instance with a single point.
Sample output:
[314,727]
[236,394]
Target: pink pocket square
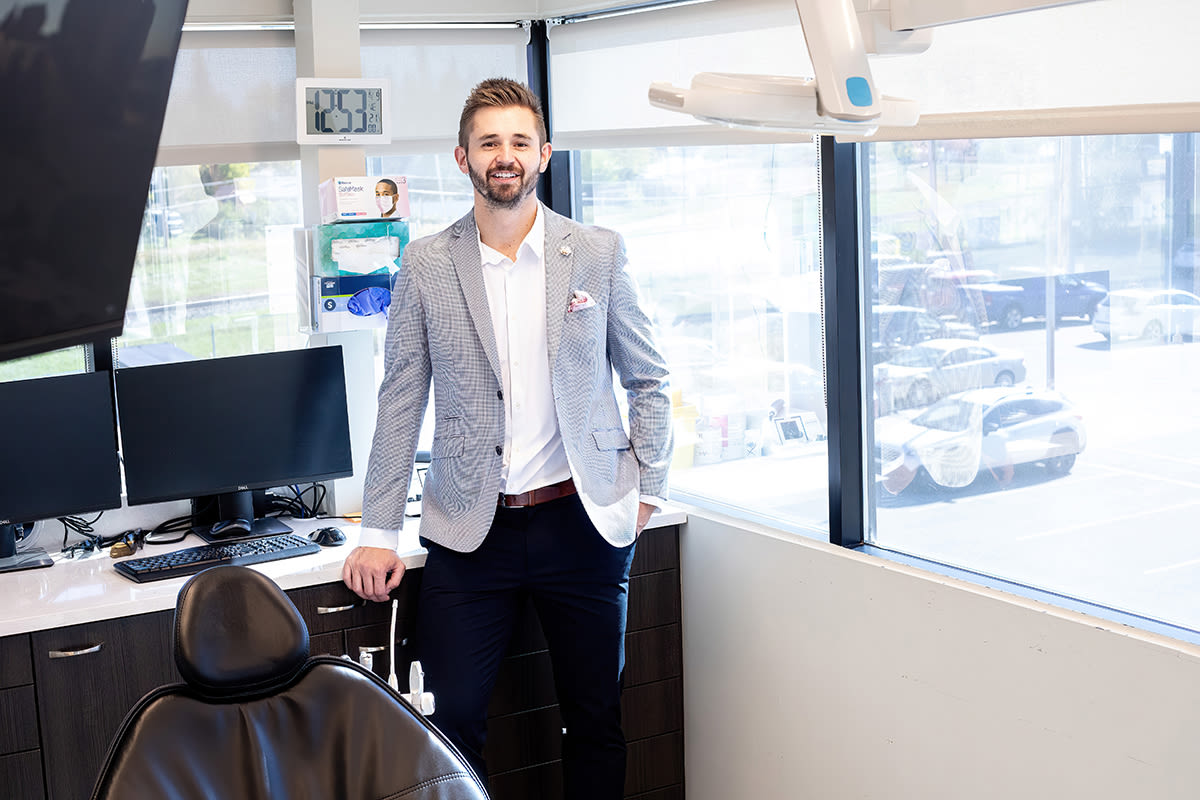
[579,301]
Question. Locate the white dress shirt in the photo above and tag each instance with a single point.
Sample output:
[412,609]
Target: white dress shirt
[533,449]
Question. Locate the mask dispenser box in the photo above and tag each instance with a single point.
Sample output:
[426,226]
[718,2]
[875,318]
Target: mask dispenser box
[359,248]
[361,198]
[345,273]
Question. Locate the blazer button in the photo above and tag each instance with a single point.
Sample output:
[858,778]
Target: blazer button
[499,394]
[499,450]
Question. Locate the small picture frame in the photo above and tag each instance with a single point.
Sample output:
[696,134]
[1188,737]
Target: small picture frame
[791,429]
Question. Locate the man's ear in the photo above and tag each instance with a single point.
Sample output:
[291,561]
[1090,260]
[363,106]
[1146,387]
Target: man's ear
[546,150]
[460,157]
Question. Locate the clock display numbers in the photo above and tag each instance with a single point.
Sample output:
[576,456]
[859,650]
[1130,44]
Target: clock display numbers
[337,110]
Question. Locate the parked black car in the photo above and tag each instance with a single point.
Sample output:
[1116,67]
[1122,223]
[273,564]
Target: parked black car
[1011,301]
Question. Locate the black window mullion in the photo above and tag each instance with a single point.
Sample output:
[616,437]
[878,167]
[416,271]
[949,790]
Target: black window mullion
[554,189]
[841,242]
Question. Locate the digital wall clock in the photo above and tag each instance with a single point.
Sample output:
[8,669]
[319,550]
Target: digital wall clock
[352,111]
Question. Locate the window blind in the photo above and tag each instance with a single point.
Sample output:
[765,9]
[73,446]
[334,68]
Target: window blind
[1109,66]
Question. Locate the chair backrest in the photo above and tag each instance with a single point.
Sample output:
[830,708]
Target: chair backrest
[256,717]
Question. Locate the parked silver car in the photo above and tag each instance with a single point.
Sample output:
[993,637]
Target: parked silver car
[992,431]
[931,370]
[1151,314]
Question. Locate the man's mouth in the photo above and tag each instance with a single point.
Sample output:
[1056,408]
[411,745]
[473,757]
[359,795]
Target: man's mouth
[504,175]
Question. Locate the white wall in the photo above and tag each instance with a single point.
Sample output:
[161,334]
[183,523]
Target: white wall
[815,672]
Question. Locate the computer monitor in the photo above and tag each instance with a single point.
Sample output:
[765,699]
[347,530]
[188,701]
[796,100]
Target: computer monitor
[58,437]
[84,86]
[220,428]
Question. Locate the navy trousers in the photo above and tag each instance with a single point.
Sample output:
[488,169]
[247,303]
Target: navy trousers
[579,585]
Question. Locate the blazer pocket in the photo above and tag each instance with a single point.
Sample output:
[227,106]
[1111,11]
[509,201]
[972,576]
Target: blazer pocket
[611,439]
[447,447]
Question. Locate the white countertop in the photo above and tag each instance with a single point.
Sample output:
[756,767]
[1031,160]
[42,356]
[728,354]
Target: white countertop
[87,589]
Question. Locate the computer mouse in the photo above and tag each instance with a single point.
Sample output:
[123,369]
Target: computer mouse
[229,527]
[328,537]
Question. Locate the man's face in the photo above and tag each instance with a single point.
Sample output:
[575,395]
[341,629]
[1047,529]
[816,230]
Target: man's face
[503,156]
[385,198]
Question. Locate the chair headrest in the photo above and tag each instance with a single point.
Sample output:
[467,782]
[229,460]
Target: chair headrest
[237,634]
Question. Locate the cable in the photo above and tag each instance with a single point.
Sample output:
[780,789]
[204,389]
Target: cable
[296,506]
[393,681]
[80,526]
[164,532]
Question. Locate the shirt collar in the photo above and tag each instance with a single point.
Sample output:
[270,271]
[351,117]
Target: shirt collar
[535,240]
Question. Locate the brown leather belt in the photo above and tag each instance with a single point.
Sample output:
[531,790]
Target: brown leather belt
[542,494]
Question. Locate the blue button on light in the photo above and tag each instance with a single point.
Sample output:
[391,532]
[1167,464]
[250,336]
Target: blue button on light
[859,91]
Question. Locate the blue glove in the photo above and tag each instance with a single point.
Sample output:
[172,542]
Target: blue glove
[372,300]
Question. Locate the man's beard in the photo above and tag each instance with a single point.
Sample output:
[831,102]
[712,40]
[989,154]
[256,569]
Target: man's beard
[507,196]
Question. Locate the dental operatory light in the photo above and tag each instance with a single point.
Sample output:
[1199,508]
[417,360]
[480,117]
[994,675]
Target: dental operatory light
[840,98]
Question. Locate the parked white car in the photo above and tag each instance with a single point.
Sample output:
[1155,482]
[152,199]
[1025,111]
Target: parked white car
[1151,314]
[983,431]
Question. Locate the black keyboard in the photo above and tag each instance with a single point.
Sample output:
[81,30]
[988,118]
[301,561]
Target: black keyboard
[191,560]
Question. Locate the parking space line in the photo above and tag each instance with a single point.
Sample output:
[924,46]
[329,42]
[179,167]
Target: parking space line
[1191,462]
[1093,523]
[1181,565]
[1147,475]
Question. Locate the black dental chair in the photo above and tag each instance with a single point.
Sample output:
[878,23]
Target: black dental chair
[258,719]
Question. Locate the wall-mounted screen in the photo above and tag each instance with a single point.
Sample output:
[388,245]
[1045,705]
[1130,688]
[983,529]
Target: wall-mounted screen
[83,88]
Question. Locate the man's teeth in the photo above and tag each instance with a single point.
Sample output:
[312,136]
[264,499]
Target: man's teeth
[503,175]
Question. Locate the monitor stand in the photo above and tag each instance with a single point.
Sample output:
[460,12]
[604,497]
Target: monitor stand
[263,526]
[239,505]
[11,560]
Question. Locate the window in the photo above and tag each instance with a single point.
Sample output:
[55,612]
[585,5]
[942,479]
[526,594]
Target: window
[58,362]
[1062,455]
[723,244]
[215,273]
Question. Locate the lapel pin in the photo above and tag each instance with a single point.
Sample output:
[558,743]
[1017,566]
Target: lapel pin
[564,250]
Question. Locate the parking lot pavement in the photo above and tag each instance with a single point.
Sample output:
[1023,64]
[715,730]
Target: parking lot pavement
[1120,529]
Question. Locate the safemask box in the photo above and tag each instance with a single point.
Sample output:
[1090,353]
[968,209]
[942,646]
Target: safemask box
[360,198]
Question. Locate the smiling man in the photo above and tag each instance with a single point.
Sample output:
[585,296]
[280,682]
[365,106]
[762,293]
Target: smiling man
[519,317]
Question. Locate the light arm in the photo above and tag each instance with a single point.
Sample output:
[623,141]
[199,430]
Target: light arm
[839,59]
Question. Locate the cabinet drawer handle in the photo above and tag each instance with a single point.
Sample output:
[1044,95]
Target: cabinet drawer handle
[337,609]
[365,649]
[72,653]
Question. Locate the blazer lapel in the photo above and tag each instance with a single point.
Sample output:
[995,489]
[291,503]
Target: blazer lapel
[464,251]
[559,266]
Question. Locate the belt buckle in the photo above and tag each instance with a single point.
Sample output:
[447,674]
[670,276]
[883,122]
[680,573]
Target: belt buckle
[511,500]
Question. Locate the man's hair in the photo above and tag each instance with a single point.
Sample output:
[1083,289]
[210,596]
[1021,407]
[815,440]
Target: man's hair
[391,185]
[500,93]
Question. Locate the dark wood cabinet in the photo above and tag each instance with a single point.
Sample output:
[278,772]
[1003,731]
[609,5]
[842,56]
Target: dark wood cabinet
[341,623]
[20,748]
[88,677]
[524,727]
[64,692]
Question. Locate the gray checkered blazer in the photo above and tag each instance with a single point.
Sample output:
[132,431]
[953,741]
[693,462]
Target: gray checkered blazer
[440,329]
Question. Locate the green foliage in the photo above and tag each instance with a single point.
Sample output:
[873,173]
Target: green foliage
[58,362]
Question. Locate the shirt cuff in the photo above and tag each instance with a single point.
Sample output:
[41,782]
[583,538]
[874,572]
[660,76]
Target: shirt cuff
[652,500]
[387,538]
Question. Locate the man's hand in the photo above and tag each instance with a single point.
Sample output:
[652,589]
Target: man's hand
[372,572]
[644,512]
